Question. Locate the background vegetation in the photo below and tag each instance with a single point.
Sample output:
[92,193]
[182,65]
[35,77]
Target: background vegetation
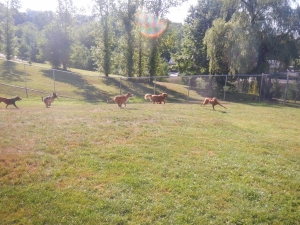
[218,37]
[92,163]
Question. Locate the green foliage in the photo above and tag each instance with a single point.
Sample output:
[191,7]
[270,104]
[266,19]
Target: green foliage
[193,57]
[40,19]
[27,34]
[57,38]
[239,36]
[102,52]
[8,29]
[276,89]
[126,13]
[52,43]
[81,58]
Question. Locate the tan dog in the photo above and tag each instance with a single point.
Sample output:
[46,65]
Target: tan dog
[212,101]
[121,99]
[49,99]
[10,101]
[157,98]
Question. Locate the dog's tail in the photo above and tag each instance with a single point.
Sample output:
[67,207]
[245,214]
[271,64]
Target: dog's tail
[148,96]
[42,99]
[111,100]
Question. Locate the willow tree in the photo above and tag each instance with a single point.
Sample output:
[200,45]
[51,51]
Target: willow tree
[192,59]
[258,31]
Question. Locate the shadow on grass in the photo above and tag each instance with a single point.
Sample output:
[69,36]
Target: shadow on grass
[135,86]
[83,88]
[248,99]
[9,73]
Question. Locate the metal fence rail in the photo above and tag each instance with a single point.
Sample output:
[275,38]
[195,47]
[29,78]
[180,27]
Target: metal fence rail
[25,80]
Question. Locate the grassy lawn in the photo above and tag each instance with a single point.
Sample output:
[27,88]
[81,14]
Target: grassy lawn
[178,163]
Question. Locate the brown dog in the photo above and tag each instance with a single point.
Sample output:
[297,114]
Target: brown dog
[121,99]
[49,99]
[157,98]
[10,101]
[212,101]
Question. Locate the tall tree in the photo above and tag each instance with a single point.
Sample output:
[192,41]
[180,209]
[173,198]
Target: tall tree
[9,29]
[257,32]
[65,22]
[126,13]
[27,45]
[159,8]
[57,39]
[103,11]
[192,59]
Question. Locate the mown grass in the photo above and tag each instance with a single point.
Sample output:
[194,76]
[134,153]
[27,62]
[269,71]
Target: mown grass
[79,84]
[84,163]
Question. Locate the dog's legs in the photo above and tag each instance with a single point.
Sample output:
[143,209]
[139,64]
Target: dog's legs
[16,106]
[222,106]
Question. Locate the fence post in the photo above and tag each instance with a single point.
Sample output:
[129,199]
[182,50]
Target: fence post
[225,87]
[286,86]
[188,96]
[154,85]
[261,82]
[120,85]
[54,80]
[25,81]
[84,86]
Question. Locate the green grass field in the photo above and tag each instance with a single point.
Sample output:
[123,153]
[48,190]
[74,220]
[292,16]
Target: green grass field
[178,163]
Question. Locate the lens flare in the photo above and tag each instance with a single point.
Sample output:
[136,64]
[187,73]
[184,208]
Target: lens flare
[149,25]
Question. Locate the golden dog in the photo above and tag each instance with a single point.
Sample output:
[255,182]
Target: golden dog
[49,99]
[157,98]
[212,101]
[121,99]
[10,101]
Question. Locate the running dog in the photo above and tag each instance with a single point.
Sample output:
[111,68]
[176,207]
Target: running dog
[10,101]
[121,99]
[157,98]
[212,101]
[49,99]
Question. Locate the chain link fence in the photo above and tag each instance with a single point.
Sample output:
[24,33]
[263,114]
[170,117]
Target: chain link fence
[25,80]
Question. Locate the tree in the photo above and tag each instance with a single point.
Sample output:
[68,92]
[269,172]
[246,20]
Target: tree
[258,31]
[57,39]
[8,28]
[126,13]
[40,19]
[158,8]
[27,44]
[81,57]
[102,52]
[192,59]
